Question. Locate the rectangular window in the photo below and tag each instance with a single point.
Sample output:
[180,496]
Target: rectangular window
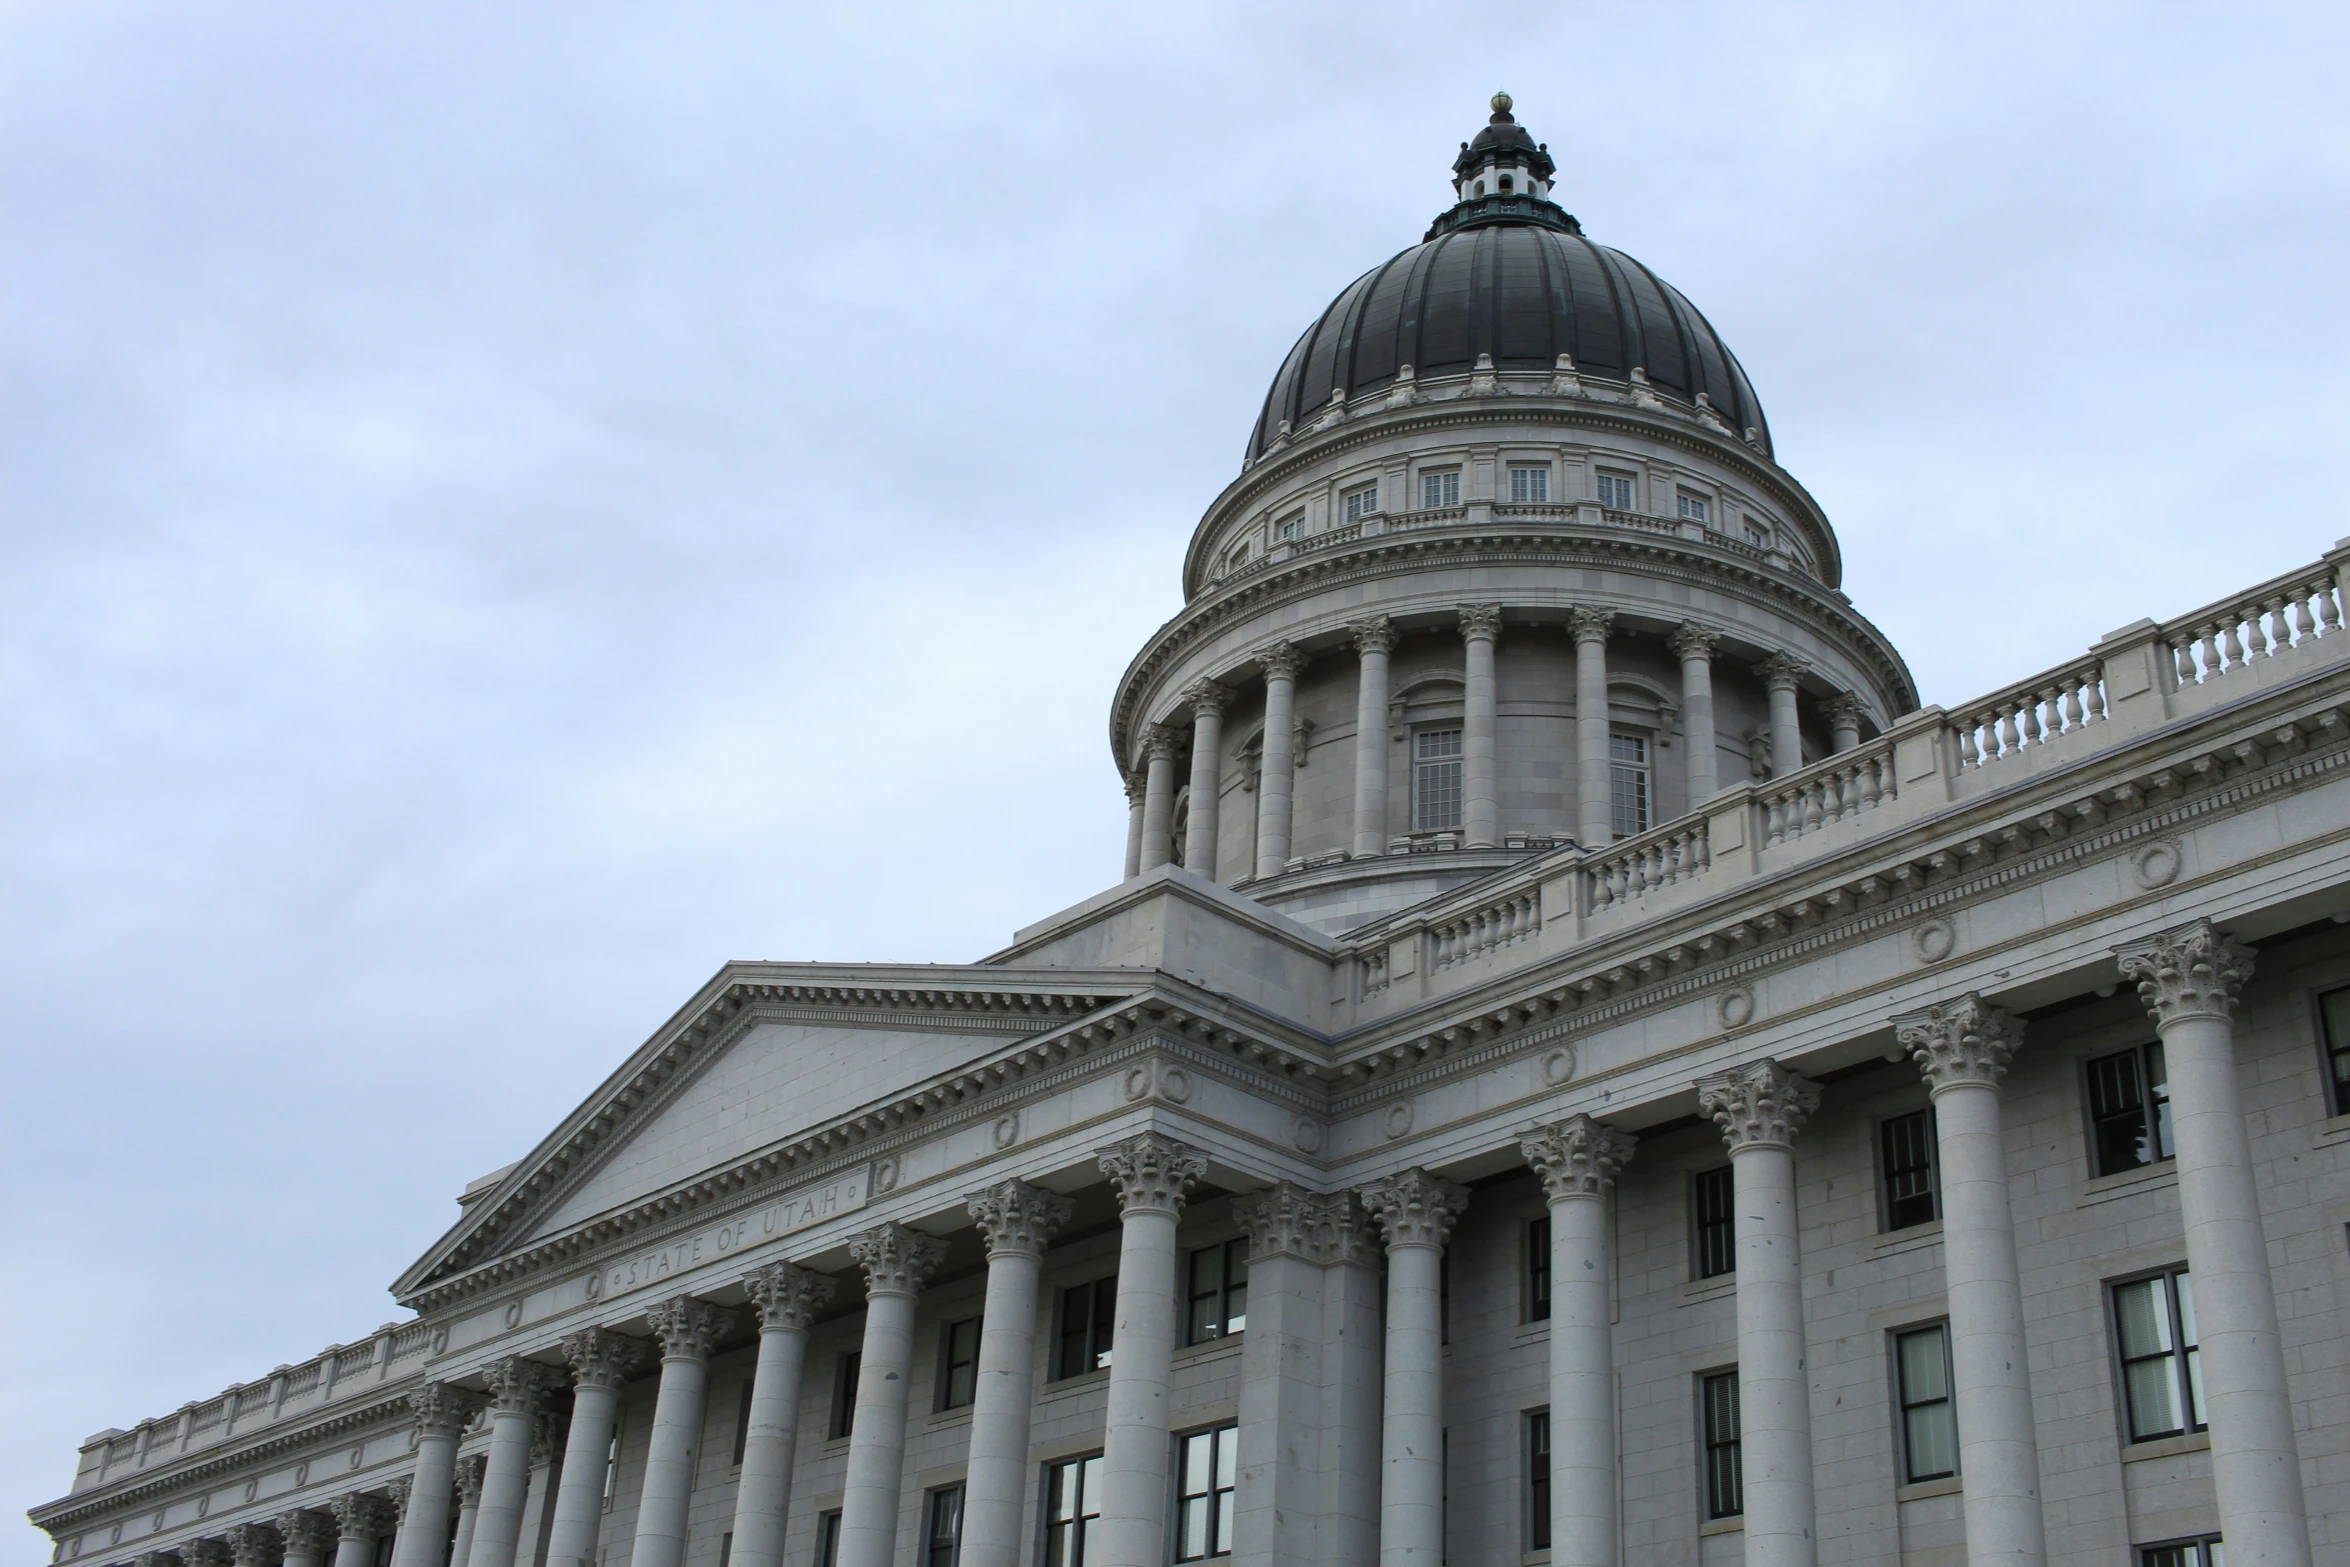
[1529,485]
[844,1394]
[1725,1475]
[2129,1109]
[742,1424]
[1072,1511]
[1441,489]
[1218,1292]
[1615,490]
[2183,1553]
[1538,1480]
[942,1538]
[611,1463]
[1627,784]
[1358,504]
[1436,780]
[958,1363]
[828,1539]
[1291,528]
[2334,1012]
[1713,1232]
[1757,534]
[1088,1312]
[1905,1162]
[1237,556]
[725,1550]
[1207,1468]
[1929,1422]
[1538,1270]
[1693,508]
[2162,1368]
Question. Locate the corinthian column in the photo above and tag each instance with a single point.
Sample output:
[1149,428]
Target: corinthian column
[1374,639]
[1844,714]
[255,1545]
[1158,797]
[517,1388]
[441,1413]
[897,1262]
[1578,1160]
[1279,1508]
[308,1537]
[2189,979]
[1760,1108]
[1694,646]
[469,1475]
[1151,1173]
[1480,787]
[1276,783]
[1594,819]
[1415,1211]
[1207,701]
[1781,674]
[1019,1220]
[600,1363]
[1963,1047]
[360,1520]
[787,1299]
[1137,786]
[687,1328]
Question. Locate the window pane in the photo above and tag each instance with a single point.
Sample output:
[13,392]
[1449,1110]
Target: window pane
[2143,1319]
[1907,1151]
[1715,1233]
[1933,1442]
[1441,489]
[2185,1286]
[2334,1008]
[1538,1275]
[2154,1409]
[1923,1377]
[1724,1477]
[2158,1092]
[2117,1113]
[1236,1289]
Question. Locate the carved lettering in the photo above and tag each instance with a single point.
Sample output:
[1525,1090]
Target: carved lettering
[785,1216]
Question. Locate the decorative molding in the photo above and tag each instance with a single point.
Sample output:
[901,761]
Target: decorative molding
[1152,1173]
[206,1553]
[1018,1219]
[1576,1157]
[1415,1208]
[2192,971]
[2157,864]
[1283,661]
[1286,1220]
[689,1328]
[788,1297]
[517,1386]
[362,1516]
[1160,744]
[472,1469]
[896,1260]
[442,1410]
[1962,1042]
[1933,940]
[601,1358]
[1206,698]
[1374,635]
[1759,1105]
[1844,711]
[1691,642]
[1480,620]
[255,1544]
[1782,672]
[547,1430]
[1586,624]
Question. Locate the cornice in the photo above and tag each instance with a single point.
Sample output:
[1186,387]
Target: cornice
[1666,557]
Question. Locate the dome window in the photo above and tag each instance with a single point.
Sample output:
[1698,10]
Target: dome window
[1441,488]
[1692,508]
[1628,781]
[1530,483]
[1436,780]
[1478,189]
[1291,528]
[1615,490]
[1756,534]
[1355,505]
[1506,185]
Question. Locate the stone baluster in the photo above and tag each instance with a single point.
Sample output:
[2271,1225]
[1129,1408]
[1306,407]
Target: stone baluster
[1781,674]
[1578,1160]
[1415,1212]
[1374,640]
[1207,700]
[255,1545]
[1480,777]
[309,1538]
[688,1329]
[469,1475]
[600,1362]
[1279,1509]
[787,1300]
[1694,646]
[897,1262]
[517,1389]
[1151,1173]
[1594,814]
[441,1413]
[1019,1221]
[361,1519]
[1137,789]
[1963,1047]
[2189,979]
[1844,714]
[1760,1108]
[1277,779]
[1158,797]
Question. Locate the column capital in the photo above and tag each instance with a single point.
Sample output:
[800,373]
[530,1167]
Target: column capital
[2193,971]
[1781,671]
[157,1559]
[1955,1043]
[1844,710]
[1691,642]
[1137,784]
[255,1545]
[1576,1157]
[1286,1220]
[1586,624]
[471,1470]
[896,1260]
[1204,697]
[1374,635]
[396,1495]
[547,1430]
[517,1386]
[306,1533]
[1160,743]
[1760,1105]
[688,1327]
[1152,1173]
[206,1553]
[1415,1208]
[1480,620]
[442,1410]
[1282,661]
[1019,1219]
[788,1297]
[361,1515]
[600,1357]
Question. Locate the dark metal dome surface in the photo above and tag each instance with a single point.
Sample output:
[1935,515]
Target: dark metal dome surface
[1516,279]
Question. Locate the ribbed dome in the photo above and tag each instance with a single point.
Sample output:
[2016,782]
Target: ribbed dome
[1512,278]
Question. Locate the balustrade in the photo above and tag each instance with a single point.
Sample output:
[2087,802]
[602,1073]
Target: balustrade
[1482,930]
[2031,713]
[2281,613]
[1846,784]
[1670,854]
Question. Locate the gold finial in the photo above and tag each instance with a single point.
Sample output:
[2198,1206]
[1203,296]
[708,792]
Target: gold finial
[1501,103]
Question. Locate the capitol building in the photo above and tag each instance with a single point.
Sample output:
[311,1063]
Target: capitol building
[1579,1068]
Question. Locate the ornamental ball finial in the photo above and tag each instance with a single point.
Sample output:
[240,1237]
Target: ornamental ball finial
[1501,103]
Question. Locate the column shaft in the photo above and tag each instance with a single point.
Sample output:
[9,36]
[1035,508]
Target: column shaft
[896,1261]
[1411,1432]
[1699,743]
[1158,801]
[1136,788]
[579,1500]
[1373,640]
[1207,740]
[1019,1221]
[762,1506]
[1353,1380]
[1480,779]
[1583,1464]
[424,1522]
[688,1328]
[468,1510]
[1277,780]
[1134,1443]
[1594,816]
[1780,675]
[505,1482]
[1774,1393]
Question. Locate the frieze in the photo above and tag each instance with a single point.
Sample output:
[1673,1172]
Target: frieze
[800,1210]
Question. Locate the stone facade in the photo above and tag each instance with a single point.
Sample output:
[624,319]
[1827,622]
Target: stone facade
[1728,1160]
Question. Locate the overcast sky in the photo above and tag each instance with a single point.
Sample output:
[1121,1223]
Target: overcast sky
[510,507]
